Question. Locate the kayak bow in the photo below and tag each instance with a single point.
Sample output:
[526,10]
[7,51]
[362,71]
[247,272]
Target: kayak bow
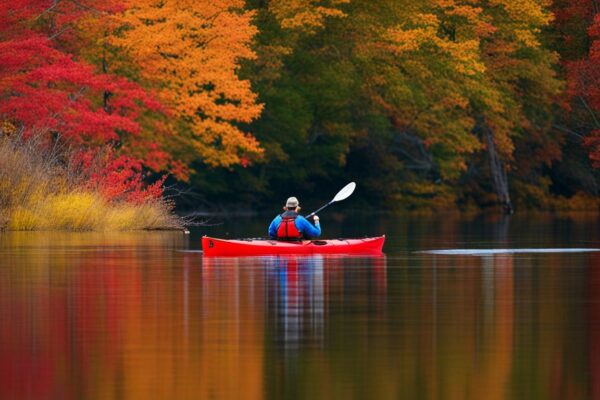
[213,247]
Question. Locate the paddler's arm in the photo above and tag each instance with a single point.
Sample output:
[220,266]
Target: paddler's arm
[274,225]
[307,228]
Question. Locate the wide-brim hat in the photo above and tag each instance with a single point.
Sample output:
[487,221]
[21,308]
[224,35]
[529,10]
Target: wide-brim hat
[292,202]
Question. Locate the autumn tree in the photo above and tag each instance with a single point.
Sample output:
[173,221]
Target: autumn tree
[429,103]
[413,98]
[583,74]
[570,36]
[191,51]
[304,130]
[523,70]
[464,68]
[48,90]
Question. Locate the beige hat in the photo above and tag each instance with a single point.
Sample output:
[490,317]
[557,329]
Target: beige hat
[292,202]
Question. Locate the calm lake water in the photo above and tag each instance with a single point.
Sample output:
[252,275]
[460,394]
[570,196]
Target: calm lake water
[144,316]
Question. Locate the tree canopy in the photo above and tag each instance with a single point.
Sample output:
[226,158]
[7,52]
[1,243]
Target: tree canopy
[429,104]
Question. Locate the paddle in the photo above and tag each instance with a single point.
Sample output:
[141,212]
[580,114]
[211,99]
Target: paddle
[342,195]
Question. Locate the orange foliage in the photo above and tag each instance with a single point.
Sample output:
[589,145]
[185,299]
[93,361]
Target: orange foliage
[191,51]
[305,15]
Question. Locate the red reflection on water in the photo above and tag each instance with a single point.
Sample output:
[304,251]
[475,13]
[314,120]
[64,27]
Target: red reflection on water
[594,325]
[159,324]
[135,325]
[60,325]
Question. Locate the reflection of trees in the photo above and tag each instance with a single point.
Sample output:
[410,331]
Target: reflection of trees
[313,303]
[295,296]
[450,333]
[434,335]
[124,318]
[141,321]
[495,355]
[230,353]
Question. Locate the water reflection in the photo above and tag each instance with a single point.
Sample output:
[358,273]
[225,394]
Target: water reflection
[298,295]
[296,291]
[133,316]
[593,288]
[502,332]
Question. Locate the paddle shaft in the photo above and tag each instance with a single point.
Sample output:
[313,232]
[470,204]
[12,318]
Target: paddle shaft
[320,209]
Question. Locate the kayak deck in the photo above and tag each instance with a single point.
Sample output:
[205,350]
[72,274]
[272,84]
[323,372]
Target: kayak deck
[214,247]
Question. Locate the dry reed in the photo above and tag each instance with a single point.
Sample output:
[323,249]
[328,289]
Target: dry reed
[40,191]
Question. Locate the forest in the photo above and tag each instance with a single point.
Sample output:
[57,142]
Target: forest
[429,105]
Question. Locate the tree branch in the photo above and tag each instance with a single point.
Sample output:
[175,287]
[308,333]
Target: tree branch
[57,34]
[49,9]
[564,129]
[589,109]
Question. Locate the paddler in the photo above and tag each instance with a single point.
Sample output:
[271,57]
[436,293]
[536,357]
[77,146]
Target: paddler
[292,226]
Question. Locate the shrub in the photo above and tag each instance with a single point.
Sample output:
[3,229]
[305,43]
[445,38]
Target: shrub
[45,188]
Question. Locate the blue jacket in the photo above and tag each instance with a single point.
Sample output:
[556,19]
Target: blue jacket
[302,224]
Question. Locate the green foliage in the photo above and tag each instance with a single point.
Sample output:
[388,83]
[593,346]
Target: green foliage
[393,94]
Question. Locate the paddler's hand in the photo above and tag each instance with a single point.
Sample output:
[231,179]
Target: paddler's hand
[316,219]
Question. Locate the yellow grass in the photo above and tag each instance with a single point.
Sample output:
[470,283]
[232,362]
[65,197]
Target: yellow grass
[85,211]
[37,192]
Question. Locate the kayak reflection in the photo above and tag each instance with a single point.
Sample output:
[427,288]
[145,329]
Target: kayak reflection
[297,288]
[299,291]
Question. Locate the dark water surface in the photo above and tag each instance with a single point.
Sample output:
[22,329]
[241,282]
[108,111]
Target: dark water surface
[144,316]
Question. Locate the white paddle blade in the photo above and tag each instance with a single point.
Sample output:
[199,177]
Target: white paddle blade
[345,192]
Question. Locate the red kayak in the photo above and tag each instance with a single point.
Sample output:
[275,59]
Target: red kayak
[264,247]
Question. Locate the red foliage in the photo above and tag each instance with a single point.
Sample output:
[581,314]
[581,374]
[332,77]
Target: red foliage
[572,18]
[156,159]
[49,91]
[179,170]
[583,74]
[593,141]
[118,178]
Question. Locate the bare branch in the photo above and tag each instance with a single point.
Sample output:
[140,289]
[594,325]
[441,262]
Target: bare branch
[49,9]
[57,34]
[564,129]
[589,109]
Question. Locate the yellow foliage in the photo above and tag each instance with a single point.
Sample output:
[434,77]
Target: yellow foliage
[80,211]
[74,211]
[470,13]
[24,219]
[538,197]
[525,18]
[305,15]
[7,128]
[525,12]
[465,55]
[36,194]
[86,211]
[579,202]
[404,40]
[424,20]
[125,217]
[528,37]
[426,198]
[502,129]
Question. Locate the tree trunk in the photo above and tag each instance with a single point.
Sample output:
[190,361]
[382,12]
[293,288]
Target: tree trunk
[499,176]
